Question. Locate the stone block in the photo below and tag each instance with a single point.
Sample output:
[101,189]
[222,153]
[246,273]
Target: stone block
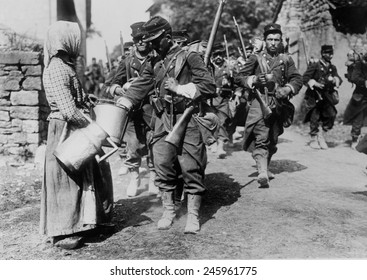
[4,124]
[4,116]
[18,138]
[4,93]
[3,73]
[10,68]
[2,82]
[24,112]
[3,139]
[16,123]
[5,108]
[23,97]
[15,150]
[33,138]
[4,102]
[12,84]
[10,130]
[32,83]
[31,126]
[16,57]
[32,70]
[15,74]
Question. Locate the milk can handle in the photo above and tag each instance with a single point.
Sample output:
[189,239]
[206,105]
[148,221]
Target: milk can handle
[115,148]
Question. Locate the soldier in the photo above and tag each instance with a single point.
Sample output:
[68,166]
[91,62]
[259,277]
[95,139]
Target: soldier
[138,130]
[180,37]
[224,80]
[180,78]
[322,79]
[94,74]
[356,112]
[272,79]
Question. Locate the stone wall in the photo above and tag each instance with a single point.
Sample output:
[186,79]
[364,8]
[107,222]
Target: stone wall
[23,105]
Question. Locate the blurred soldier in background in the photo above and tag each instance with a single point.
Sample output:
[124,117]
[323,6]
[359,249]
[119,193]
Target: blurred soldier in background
[223,76]
[272,79]
[322,80]
[138,130]
[181,37]
[356,112]
[94,76]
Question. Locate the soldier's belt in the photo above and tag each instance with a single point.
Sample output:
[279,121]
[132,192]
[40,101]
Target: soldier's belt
[178,107]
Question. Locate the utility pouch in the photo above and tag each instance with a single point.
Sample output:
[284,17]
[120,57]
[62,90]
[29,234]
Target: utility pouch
[157,105]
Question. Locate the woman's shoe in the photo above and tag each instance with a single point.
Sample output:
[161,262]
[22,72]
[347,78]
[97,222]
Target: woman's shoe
[70,243]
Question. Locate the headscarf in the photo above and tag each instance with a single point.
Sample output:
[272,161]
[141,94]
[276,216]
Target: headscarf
[62,36]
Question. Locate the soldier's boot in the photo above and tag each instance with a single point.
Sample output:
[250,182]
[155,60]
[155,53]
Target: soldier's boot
[193,207]
[321,139]
[152,187]
[221,153]
[262,168]
[132,189]
[169,211]
[314,143]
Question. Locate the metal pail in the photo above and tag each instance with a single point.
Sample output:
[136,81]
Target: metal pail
[113,118]
[81,146]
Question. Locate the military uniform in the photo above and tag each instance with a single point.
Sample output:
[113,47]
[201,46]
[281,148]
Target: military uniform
[195,81]
[138,129]
[261,135]
[356,112]
[320,102]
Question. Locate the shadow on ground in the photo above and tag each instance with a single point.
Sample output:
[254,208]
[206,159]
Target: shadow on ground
[223,191]
[282,165]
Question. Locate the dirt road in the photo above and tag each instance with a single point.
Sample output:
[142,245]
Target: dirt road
[315,208]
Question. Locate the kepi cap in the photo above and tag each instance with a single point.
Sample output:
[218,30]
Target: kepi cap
[137,29]
[155,27]
[272,28]
[327,49]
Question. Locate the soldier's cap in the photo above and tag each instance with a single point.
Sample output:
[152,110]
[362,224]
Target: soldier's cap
[137,29]
[128,45]
[327,49]
[272,28]
[180,35]
[155,27]
[218,48]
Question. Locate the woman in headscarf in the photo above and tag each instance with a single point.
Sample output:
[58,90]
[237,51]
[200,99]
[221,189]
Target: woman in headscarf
[70,204]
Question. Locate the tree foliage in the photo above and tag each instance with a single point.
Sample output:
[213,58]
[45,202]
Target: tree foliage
[197,16]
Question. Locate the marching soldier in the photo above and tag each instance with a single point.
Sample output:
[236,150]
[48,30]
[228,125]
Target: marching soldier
[138,128]
[224,80]
[179,79]
[322,80]
[272,79]
[356,112]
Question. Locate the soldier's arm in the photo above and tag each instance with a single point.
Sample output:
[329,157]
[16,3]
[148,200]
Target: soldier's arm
[358,77]
[141,87]
[307,77]
[244,78]
[119,79]
[202,82]
[294,78]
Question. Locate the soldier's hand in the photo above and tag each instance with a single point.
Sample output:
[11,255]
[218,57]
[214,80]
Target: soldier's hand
[319,85]
[126,86]
[260,79]
[118,91]
[171,84]
[282,92]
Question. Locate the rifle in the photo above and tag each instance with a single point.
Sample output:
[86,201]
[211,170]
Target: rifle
[286,48]
[213,32]
[227,54]
[240,38]
[108,56]
[122,45]
[176,135]
[266,111]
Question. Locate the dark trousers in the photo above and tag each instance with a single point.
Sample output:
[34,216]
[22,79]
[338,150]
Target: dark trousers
[192,162]
[325,113]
